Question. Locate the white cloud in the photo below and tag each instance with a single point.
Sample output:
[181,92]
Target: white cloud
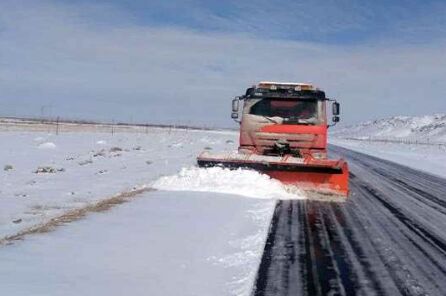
[54,54]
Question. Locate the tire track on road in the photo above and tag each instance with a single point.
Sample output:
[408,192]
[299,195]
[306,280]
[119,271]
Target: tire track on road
[387,239]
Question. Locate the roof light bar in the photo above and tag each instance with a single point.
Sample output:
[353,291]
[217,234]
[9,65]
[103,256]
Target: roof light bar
[285,85]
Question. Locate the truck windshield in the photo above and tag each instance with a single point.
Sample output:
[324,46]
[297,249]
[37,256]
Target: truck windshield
[299,109]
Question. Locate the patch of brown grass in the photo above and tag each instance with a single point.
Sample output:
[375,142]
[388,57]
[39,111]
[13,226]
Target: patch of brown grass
[74,215]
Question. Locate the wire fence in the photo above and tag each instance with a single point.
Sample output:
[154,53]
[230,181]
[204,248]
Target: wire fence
[58,125]
[408,141]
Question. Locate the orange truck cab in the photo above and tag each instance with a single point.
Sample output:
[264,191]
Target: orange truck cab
[284,118]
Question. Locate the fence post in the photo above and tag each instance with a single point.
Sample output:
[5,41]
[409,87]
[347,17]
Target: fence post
[57,125]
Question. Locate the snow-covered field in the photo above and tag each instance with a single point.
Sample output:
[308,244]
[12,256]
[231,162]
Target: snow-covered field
[201,232]
[43,175]
[428,129]
[396,139]
[192,232]
[162,243]
[431,159]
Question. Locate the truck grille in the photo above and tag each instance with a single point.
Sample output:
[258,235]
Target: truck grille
[267,140]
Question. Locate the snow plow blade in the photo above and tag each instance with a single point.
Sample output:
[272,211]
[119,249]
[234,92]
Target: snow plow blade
[322,176]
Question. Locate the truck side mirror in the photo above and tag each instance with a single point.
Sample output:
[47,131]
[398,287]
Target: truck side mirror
[235,105]
[336,109]
[235,108]
[335,119]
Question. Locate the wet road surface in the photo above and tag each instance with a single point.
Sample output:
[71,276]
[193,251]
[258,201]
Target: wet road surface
[389,238]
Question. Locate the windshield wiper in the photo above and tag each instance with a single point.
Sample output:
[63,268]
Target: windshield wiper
[294,120]
[270,119]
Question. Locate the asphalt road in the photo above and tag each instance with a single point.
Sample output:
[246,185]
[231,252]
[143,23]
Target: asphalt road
[389,238]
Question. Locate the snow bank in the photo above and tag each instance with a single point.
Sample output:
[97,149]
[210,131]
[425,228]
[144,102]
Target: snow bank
[241,182]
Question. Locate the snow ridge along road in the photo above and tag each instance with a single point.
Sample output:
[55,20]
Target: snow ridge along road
[387,239]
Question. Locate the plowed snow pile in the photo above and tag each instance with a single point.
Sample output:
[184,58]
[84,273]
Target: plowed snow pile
[241,182]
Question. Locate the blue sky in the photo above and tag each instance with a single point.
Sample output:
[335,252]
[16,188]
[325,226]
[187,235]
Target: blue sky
[334,22]
[182,61]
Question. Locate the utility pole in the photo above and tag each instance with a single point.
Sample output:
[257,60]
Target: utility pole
[42,112]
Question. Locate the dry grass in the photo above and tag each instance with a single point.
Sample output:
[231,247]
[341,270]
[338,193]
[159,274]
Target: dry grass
[74,215]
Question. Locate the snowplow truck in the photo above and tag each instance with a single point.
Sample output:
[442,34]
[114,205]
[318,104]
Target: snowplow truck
[283,133]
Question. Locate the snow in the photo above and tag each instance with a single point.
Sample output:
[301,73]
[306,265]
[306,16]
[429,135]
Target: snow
[430,159]
[428,128]
[222,180]
[171,241]
[417,142]
[47,145]
[202,232]
[159,244]
[87,167]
